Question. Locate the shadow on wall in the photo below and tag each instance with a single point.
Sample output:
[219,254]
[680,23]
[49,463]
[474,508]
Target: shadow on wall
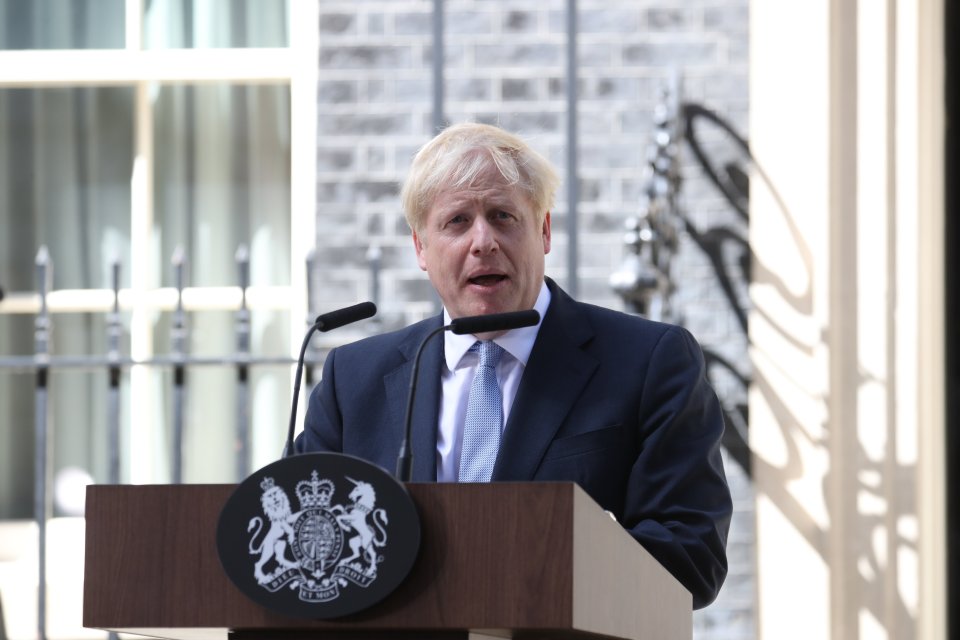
[796,456]
[800,462]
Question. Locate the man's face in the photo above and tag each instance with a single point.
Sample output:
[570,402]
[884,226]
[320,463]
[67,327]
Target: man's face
[482,248]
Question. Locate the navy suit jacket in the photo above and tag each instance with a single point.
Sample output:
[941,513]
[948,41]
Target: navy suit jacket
[618,404]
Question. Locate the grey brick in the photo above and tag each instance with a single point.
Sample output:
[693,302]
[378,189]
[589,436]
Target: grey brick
[596,55]
[730,86]
[471,22]
[607,20]
[669,18]
[672,53]
[460,89]
[403,154]
[336,91]
[337,286]
[730,18]
[334,159]
[525,123]
[520,22]
[365,57]
[517,89]
[348,256]
[414,289]
[377,89]
[455,54]
[333,192]
[376,190]
[337,23]
[400,226]
[413,23]
[376,159]
[613,88]
[738,50]
[412,90]
[335,221]
[591,190]
[608,223]
[520,55]
[596,122]
[557,87]
[611,155]
[374,226]
[364,124]
[375,24]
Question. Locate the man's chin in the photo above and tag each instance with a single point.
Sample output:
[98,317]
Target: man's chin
[485,309]
[485,302]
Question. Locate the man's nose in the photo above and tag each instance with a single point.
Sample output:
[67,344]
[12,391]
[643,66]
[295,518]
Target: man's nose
[483,237]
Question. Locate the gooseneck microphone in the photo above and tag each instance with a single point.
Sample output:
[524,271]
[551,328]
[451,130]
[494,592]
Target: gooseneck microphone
[324,322]
[495,322]
[469,324]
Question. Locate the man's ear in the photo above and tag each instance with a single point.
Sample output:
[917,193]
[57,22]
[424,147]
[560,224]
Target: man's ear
[420,248]
[546,233]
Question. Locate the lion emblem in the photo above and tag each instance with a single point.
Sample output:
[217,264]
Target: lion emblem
[273,546]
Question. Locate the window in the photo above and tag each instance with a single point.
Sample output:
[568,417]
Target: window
[131,131]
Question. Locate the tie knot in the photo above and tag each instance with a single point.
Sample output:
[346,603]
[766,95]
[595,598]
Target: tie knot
[490,352]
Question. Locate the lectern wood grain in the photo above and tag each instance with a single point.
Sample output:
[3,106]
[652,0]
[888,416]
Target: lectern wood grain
[494,557]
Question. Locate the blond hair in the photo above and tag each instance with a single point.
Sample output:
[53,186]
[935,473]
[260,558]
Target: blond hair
[461,153]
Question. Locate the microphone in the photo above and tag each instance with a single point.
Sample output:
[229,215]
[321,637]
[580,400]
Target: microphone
[495,322]
[324,322]
[469,324]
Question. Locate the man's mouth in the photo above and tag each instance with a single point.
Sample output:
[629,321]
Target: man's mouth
[487,280]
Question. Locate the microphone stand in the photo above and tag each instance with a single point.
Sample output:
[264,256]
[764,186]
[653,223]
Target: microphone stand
[325,322]
[405,458]
[491,323]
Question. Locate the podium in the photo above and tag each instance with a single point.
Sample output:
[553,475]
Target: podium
[508,560]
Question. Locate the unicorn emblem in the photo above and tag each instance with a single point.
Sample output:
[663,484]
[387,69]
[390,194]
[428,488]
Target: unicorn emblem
[365,542]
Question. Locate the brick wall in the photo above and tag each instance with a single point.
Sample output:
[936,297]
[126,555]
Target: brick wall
[505,65]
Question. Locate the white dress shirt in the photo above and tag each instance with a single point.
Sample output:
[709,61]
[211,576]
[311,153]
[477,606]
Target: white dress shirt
[457,375]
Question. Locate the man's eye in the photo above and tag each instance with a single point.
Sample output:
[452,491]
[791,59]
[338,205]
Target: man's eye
[457,219]
[504,215]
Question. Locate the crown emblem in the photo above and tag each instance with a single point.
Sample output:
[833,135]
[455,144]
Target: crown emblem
[314,494]
[266,484]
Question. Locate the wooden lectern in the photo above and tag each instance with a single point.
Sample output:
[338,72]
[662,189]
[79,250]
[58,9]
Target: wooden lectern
[511,560]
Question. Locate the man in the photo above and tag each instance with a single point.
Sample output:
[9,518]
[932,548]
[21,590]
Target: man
[613,402]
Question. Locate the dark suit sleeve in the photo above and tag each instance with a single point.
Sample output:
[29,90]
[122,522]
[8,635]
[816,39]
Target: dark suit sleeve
[677,503]
[323,425]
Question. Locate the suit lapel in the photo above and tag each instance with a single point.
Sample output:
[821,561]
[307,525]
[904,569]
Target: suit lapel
[553,380]
[426,405]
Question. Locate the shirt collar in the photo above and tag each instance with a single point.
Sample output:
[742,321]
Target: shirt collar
[517,342]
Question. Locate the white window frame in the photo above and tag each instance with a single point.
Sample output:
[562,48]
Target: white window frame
[142,69]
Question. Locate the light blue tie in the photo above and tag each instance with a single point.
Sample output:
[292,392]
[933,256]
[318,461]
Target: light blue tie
[484,421]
